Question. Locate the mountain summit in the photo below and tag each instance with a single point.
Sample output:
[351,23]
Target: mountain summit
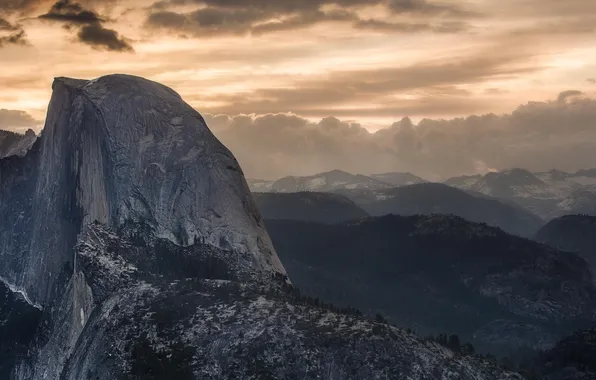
[121,151]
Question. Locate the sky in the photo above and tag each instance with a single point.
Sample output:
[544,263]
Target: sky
[301,86]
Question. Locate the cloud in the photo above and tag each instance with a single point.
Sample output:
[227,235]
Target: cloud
[435,86]
[72,13]
[591,80]
[18,121]
[90,26]
[19,6]
[11,34]
[234,17]
[426,7]
[563,96]
[537,136]
[99,37]
[5,26]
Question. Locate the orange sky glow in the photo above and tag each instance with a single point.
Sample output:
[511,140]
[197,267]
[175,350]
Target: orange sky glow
[370,63]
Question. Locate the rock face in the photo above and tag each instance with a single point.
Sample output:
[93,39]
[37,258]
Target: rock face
[442,274]
[122,151]
[308,207]
[129,235]
[18,319]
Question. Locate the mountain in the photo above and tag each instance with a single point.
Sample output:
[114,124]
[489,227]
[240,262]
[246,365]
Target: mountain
[436,198]
[308,207]
[398,179]
[564,180]
[442,274]
[572,358]
[465,182]
[335,180]
[578,202]
[259,185]
[133,231]
[322,182]
[514,183]
[548,194]
[573,233]
[14,144]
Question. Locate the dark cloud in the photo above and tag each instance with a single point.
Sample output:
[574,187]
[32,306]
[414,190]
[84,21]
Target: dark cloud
[17,38]
[11,34]
[90,26]
[99,37]
[72,13]
[591,80]
[5,26]
[538,136]
[265,16]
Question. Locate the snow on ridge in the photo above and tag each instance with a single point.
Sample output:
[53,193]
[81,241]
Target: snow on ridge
[22,292]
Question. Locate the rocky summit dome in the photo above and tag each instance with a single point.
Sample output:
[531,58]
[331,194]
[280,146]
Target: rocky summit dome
[123,151]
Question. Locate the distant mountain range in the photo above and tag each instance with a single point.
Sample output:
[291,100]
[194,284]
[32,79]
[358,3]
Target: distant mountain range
[547,194]
[442,273]
[420,199]
[436,198]
[334,180]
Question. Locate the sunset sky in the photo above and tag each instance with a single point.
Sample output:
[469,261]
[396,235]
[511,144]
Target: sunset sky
[370,62]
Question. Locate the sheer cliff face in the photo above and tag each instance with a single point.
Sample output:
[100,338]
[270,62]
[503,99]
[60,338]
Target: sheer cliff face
[122,150]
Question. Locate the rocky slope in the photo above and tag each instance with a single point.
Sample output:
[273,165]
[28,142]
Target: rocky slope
[442,274]
[573,233]
[572,358]
[14,144]
[436,198]
[133,231]
[308,207]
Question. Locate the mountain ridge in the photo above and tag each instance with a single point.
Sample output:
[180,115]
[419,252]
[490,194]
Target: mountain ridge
[442,273]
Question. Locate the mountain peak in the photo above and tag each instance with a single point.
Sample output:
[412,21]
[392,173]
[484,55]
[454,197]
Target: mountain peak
[125,151]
